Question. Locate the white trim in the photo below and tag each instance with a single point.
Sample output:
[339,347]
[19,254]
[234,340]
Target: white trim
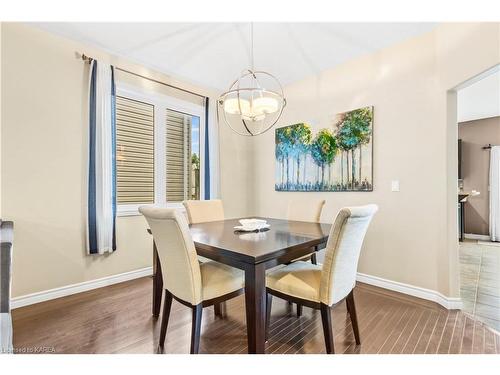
[478,77]
[162,103]
[488,243]
[481,237]
[127,209]
[67,290]
[133,209]
[46,295]
[450,303]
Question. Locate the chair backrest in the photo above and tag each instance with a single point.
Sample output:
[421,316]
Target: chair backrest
[338,275]
[305,210]
[204,211]
[178,259]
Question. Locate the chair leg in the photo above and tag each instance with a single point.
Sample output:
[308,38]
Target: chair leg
[269,305]
[313,258]
[167,304]
[220,309]
[351,308]
[299,310]
[326,319]
[196,329]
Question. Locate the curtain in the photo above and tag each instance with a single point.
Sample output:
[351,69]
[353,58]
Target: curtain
[211,153]
[495,193]
[207,152]
[101,211]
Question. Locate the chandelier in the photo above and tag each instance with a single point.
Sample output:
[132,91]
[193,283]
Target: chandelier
[254,102]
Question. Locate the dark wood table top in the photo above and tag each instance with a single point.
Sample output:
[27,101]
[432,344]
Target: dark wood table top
[283,236]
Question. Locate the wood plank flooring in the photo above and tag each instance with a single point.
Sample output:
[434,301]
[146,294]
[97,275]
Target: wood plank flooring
[117,319]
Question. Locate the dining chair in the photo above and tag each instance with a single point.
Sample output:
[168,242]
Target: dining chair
[193,284]
[321,287]
[203,211]
[305,211]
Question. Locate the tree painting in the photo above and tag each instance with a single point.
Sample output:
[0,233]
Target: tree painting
[342,152]
[348,141]
[323,150]
[280,153]
[300,141]
[353,131]
[282,141]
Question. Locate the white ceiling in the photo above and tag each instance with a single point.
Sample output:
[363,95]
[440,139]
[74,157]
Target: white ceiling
[213,54]
[481,99]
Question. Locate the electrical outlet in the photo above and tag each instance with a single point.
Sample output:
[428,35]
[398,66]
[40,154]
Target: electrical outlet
[395,185]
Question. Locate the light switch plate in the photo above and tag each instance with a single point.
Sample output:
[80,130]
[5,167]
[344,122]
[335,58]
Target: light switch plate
[395,185]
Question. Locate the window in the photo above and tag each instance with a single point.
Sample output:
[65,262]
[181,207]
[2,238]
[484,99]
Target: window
[183,155]
[158,148]
[134,151]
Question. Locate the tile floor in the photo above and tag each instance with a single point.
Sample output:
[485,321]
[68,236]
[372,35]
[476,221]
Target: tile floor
[480,281]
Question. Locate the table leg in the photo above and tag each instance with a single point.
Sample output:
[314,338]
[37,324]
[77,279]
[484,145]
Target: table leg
[157,283]
[255,301]
[314,259]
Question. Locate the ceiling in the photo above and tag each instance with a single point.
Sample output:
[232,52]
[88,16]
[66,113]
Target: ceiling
[481,99]
[213,54]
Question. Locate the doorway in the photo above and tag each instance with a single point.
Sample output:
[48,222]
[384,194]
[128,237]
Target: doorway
[478,133]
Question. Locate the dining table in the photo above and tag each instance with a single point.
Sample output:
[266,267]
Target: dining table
[254,253]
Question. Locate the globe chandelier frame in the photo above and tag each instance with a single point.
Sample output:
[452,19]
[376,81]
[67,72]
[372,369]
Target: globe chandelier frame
[271,101]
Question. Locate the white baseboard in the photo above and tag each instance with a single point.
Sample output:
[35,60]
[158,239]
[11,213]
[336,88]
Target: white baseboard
[415,291]
[46,295]
[488,243]
[482,237]
[67,290]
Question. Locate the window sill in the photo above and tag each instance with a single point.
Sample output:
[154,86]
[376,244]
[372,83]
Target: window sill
[133,210]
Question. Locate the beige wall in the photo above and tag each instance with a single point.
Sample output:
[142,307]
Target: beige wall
[43,160]
[411,239]
[475,169]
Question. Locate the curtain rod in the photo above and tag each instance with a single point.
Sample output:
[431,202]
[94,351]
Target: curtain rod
[89,60]
[487,147]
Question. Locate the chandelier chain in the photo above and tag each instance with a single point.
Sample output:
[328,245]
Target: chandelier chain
[251,39]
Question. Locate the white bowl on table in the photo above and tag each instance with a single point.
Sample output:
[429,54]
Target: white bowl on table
[250,225]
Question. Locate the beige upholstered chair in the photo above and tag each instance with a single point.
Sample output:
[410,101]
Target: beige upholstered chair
[204,211]
[320,287]
[306,211]
[186,280]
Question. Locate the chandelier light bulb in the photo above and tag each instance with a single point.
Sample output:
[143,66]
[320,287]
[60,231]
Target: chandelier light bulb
[265,105]
[233,105]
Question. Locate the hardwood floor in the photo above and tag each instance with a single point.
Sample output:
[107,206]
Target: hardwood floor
[117,319]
